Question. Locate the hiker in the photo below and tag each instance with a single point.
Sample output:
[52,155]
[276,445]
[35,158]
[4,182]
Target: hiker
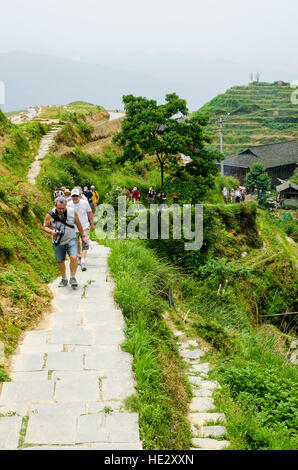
[135,195]
[67,196]
[95,199]
[126,193]
[88,195]
[232,196]
[63,221]
[237,195]
[83,209]
[242,194]
[151,194]
[225,194]
[57,193]
[175,198]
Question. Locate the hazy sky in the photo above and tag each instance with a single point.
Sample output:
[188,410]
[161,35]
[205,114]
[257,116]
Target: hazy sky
[256,32]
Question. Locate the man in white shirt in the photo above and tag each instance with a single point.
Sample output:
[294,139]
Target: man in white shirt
[82,208]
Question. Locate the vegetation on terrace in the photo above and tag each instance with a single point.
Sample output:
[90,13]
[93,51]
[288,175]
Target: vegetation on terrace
[260,113]
[245,270]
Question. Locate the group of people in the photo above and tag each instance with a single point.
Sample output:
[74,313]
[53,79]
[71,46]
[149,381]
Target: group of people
[90,194]
[69,223]
[152,196]
[233,196]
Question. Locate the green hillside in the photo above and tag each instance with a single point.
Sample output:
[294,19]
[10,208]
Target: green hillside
[260,113]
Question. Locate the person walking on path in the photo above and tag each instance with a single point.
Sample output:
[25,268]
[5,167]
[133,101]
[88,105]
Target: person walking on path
[135,195]
[163,197]
[60,222]
[88,195]
[83,209]
[237,195]
[232,196]
[151,194]
[95,199]
[225,194]
[126,193]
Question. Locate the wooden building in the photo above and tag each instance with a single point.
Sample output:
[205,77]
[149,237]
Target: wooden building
[280,161]
[287,193]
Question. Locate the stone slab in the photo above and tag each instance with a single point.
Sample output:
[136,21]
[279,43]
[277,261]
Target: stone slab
[71,390]
[39,348]
[27,362]
[205,392]
[67,318]
[71,335]
[214,431]
[123,427]
[99,407]
[92,428]
[26,392]
[200,419]
[75,408]
[29,376]
[35,337]
[51,428]
[102,360]
[61,447]
[108,335]
[210,444]
[192,354]
[10,431]
[71,361]
[117,446]
[201,404]
[117,389]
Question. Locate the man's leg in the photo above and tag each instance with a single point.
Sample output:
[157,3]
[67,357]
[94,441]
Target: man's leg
[73,265]
[62,269]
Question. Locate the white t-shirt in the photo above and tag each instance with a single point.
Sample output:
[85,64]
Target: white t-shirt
[82,208]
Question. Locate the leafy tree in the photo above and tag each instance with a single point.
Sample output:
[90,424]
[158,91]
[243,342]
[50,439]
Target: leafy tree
[257,179]
[152,129]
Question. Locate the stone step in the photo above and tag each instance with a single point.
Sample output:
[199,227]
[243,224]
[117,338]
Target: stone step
[209,444]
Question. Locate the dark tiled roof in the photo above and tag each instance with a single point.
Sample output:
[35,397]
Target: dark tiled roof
[272,155]
[286,185]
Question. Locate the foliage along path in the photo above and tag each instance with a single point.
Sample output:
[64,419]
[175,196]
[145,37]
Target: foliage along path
[70,377]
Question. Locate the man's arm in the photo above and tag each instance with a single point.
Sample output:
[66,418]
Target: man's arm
[47,225]
[79,225]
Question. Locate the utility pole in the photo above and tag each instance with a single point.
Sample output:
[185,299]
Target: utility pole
[220,122]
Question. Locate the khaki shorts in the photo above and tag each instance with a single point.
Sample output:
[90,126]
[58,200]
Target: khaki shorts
[86,234]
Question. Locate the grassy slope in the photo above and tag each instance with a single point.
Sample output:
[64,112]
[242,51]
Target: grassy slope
[24,251]
[261,113]
[229,322]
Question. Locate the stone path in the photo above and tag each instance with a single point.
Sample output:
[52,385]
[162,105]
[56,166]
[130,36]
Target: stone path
[207,426]
[45,145]
[70,376]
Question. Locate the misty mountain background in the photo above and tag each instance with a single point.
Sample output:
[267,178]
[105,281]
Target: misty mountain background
[36,79]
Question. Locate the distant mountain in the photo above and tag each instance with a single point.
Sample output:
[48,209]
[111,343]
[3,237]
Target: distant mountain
[32,79]
[260,113]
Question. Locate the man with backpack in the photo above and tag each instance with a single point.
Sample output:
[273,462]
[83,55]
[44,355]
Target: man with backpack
[60,222]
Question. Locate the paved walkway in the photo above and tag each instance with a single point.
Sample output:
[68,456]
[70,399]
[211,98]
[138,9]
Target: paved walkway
[70,376]
[45,145]
[207,426]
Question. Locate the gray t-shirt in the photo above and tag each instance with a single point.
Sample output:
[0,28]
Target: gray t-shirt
[69,233]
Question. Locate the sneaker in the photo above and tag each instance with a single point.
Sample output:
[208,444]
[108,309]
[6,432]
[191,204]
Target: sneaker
[63,283]
[79,260]
[83,266]
[73,282]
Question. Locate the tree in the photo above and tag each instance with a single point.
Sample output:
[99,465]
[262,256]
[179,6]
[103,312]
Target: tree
[257,179]
[151,129]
